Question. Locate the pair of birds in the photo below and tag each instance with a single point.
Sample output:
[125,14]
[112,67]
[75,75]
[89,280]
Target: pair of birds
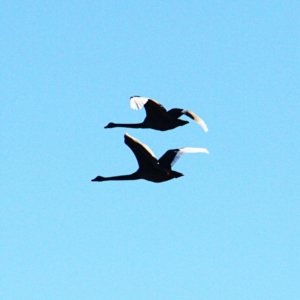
[158,118]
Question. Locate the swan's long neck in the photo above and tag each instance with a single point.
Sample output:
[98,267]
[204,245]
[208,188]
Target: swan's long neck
[137,125]
[133,176]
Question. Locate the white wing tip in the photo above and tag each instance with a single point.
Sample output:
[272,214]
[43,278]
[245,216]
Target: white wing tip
[137,102]
[202,124]
[196,118]
[204,127]
[205,151]
[183,151]
[194,150]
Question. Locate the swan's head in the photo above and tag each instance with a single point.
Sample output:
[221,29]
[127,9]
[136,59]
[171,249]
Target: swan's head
[98,178]
[110,125]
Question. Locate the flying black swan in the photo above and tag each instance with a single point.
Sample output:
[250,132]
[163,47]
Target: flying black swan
[150,168]
[157,117]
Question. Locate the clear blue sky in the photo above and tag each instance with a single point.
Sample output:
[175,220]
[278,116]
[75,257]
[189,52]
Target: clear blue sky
[228,229]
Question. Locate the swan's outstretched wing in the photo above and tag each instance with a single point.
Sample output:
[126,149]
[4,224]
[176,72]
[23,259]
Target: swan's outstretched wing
[172,156]
[178,112]
[196,119]
[144,155]
[154,110]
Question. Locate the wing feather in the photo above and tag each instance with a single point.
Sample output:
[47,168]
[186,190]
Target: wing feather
[196,118]
[155,112]
[137,102]
[172,156]
[145,157]
[141,144]
[183,151]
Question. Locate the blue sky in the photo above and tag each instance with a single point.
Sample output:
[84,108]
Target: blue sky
[228,229]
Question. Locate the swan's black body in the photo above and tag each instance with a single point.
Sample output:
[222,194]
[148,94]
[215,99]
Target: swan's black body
[157,117]
[150,168]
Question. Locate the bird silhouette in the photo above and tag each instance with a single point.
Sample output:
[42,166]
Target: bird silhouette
[157,117]
[150,168]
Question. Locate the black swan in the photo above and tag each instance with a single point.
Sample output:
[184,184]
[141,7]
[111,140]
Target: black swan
[157,117]
[150,168]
